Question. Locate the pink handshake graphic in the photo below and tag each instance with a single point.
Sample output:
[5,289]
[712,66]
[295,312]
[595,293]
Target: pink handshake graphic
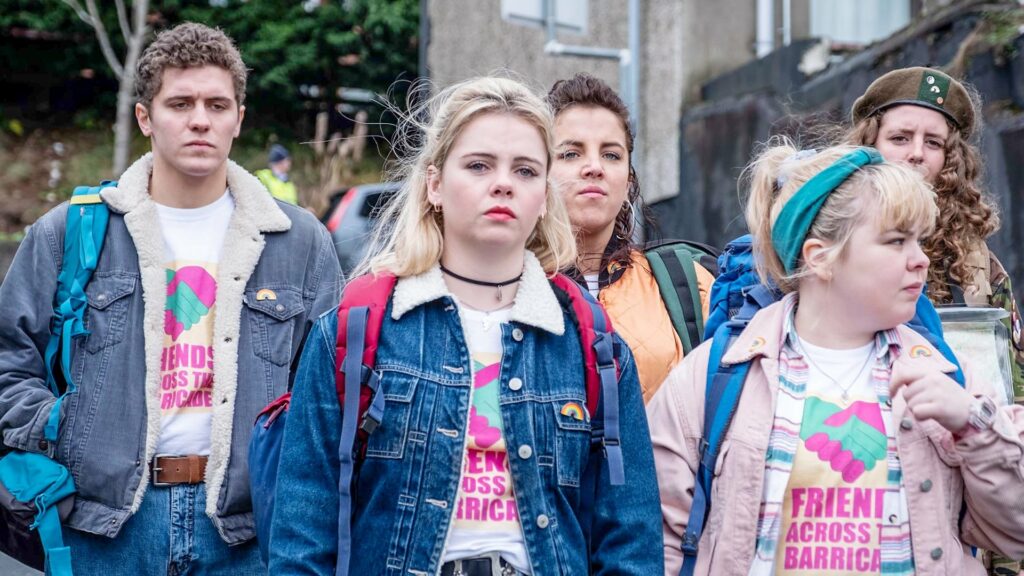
[850,441]
[191,292]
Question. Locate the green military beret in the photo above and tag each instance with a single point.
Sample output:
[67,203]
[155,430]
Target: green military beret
[919,86]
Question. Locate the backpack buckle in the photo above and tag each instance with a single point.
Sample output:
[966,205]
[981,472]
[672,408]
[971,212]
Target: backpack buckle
[609,442]
[369,424]
[690,544]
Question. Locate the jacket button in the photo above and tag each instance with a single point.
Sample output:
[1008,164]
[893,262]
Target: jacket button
[515,384]
[926,486]
[279,307]
[525,452]
[44,445]
[906,424]
[936,553]
[893,519]
[517,335]
[543,521]
[102,297]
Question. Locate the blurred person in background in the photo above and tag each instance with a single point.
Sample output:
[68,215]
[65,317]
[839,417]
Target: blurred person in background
[276,177]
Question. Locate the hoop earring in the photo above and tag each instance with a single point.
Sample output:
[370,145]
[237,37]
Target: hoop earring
[437,208]
[630,221]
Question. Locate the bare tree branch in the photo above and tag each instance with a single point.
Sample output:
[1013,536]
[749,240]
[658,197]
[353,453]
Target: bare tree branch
[122,20]
[104,38]
[82,14]
[141,10]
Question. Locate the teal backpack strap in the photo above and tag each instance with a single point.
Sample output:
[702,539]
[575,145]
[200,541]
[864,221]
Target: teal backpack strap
[36,479]
[674,269]
[83,242]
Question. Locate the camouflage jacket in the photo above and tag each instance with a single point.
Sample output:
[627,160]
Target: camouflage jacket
[999,294]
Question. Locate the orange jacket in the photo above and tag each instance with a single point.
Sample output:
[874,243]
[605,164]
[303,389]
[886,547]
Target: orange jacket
[638,314]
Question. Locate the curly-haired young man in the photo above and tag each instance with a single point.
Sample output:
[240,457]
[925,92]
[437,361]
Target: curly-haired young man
[202,295]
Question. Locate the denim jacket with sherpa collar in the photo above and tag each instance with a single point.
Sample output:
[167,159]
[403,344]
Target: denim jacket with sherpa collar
[406,491]
[110,428]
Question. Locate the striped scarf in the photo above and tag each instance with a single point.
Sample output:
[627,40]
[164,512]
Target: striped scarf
[896,551]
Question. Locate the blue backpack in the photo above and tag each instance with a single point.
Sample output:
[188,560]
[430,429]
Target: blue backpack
[34,488]
[736,296]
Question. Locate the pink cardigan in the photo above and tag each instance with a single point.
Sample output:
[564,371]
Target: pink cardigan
[937,470]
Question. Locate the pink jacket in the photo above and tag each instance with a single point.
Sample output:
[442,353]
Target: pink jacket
[937,470]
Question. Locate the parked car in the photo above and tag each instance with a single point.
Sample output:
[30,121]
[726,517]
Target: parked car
[350,219]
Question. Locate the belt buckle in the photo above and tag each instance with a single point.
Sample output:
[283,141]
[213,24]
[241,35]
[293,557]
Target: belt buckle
[154,469]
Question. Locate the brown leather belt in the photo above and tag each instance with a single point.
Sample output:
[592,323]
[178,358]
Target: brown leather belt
[170,470]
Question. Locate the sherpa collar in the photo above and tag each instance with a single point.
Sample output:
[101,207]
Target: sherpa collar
[252,201]
[535,303]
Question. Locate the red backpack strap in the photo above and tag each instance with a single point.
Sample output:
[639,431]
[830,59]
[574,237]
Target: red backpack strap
[372,293]
[602,371]
[360,317]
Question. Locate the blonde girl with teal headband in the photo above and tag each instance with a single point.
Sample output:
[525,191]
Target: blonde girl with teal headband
[852,450]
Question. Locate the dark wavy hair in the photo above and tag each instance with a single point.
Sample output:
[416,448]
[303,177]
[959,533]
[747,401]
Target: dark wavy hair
[586,90]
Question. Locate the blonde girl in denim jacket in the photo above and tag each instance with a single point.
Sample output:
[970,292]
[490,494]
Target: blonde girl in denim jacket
[482,462]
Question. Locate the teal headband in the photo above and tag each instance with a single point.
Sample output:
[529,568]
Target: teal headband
[799,212]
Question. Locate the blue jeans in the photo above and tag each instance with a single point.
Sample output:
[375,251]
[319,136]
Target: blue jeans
[170,534]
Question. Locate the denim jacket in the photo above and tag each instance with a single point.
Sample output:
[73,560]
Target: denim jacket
[405,493]
[110,428]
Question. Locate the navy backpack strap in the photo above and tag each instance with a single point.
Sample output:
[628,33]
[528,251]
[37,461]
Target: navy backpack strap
[722,394]
[721,397]
[609,411]
[352,367]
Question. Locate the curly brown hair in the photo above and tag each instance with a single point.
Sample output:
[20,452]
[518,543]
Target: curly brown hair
[966,217]
[586,90]
[188,45]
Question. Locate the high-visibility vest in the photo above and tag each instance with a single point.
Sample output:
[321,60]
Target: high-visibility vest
[283,191]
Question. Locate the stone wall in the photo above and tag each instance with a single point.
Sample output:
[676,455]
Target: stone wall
[771,96]
[682,44]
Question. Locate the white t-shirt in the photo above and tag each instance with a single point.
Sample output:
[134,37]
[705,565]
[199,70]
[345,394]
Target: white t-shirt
[838,495]
[193,238]
[593,283]
[486,517]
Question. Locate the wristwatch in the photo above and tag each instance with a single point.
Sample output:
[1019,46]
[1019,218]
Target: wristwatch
[980,416]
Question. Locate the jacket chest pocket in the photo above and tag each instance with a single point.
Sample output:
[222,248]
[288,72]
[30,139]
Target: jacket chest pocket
[572,441]
[107,313]
[388,440]
[272,321]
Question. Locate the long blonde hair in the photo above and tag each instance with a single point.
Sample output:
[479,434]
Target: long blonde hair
[897,194]
[409,236]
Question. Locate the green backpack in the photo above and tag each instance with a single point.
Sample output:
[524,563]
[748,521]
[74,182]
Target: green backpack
[673,264]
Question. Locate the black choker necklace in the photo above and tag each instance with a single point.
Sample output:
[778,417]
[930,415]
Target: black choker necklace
[498,285]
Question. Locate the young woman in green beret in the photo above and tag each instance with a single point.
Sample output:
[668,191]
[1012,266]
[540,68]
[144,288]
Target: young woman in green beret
[922,117]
